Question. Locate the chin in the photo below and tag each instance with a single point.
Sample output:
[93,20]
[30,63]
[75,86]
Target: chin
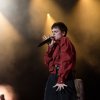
[56,39]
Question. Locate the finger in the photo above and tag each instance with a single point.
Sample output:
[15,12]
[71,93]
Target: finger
[54,86]
[62,87]
[65,85]
[44,37]
[57,89]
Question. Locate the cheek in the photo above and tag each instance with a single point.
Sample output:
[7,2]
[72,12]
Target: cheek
[58,36]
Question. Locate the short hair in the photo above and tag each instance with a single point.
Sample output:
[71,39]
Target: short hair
[61,26]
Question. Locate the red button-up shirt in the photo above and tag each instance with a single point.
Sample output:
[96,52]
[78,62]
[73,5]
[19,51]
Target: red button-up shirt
[62,54]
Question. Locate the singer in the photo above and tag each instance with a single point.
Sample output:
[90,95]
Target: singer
[60,59]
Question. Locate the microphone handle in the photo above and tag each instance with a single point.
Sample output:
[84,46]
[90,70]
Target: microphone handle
[44,42]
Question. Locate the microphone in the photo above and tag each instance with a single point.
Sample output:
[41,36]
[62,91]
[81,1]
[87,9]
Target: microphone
[44,42]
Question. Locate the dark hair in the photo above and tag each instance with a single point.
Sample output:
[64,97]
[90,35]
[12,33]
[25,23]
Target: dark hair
[61,26]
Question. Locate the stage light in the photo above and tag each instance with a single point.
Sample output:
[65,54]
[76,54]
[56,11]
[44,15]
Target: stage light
[48,15]
[48,23]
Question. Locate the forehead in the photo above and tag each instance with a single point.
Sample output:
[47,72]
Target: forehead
[55,29]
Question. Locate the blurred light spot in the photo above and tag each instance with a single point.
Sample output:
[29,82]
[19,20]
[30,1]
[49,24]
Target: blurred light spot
[8,92]
[48,15]
[48,23]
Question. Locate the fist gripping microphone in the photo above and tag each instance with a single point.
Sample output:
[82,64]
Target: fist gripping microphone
[48,40]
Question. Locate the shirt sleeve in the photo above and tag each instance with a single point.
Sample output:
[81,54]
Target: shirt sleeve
[48,56]
[66,60]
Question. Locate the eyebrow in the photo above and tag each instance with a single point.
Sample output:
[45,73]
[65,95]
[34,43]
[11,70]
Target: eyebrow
[54,30]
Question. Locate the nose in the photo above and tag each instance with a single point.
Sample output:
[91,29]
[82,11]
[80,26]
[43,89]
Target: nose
[53,33]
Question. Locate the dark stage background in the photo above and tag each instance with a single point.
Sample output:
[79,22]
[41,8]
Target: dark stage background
[21,28]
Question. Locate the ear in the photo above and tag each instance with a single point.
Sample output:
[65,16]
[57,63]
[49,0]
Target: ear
[63,34]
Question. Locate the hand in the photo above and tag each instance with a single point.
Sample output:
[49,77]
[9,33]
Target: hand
[52,40]
[45,37]
[59,86]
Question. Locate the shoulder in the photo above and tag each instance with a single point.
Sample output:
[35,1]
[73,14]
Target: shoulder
[64,40]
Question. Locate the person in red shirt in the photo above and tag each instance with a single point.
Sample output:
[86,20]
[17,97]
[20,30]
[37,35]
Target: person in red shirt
[60,59]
